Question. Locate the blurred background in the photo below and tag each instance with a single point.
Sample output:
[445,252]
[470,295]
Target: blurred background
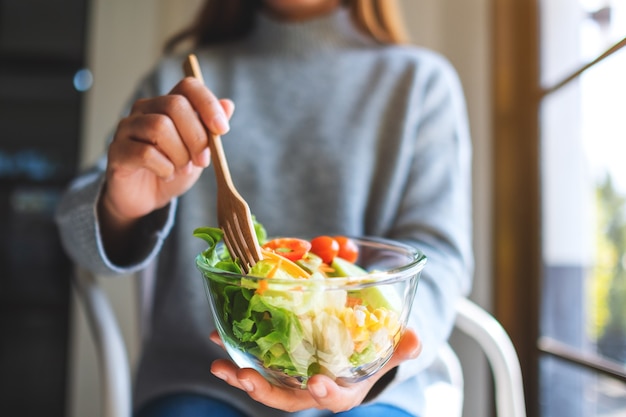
[546,91]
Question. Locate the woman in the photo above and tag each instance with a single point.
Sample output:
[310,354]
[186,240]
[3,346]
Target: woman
[338,130]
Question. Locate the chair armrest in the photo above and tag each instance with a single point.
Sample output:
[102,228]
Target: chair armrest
[479,325]
[113,359]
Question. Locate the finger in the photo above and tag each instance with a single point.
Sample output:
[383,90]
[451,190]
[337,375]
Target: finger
[328,395]
[130,155]
[261,390]
[205,104]
[225,370]
[228,106]
[228,371]
[160,131]
[178,114]
[215,338]
[409,347]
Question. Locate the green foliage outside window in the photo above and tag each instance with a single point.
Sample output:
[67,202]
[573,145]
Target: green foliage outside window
[608,292]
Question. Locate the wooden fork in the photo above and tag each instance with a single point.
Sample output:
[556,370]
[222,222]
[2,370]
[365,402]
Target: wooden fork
[233,213]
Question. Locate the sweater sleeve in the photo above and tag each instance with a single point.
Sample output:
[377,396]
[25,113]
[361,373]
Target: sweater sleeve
[435,211]
[77,219]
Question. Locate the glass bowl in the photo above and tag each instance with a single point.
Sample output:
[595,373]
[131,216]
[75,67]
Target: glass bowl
[346,328]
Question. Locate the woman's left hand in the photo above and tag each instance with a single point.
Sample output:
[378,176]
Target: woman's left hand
[322,392]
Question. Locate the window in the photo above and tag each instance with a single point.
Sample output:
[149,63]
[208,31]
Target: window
[583,190]
[561,200]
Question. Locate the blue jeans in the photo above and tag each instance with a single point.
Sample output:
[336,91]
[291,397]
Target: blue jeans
[194,405]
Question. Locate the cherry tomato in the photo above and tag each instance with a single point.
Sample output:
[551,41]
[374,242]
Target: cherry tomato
[289,247]
[348,248]
[325,247]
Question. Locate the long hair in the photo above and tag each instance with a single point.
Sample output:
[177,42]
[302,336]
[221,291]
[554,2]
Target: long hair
[225,20]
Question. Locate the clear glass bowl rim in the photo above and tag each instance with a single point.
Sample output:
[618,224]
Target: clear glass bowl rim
[412,268]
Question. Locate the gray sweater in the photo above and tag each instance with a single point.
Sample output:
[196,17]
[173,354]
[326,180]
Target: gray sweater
[332,134]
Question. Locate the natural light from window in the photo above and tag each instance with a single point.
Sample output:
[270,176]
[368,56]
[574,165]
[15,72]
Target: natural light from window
[583,148]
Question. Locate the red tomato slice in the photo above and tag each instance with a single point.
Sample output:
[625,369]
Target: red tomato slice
[348,248]
[289,247]
[325,247]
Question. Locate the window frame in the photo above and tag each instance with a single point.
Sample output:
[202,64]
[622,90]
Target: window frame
[517,253]
[516,181]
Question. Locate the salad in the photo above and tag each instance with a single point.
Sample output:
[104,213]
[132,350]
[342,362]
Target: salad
[287,313]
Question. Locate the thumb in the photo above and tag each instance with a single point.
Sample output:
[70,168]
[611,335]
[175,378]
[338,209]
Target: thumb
[409,347]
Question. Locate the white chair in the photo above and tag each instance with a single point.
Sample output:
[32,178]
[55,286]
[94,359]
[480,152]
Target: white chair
[483,328]
[471,320]
[115,375]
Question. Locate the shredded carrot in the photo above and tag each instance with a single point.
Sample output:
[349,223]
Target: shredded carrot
[353,301]
[273,271]
[263,285]
[288,266]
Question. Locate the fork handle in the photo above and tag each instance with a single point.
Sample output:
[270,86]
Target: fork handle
[191,68]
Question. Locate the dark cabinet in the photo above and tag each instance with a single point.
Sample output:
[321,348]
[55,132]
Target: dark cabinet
[42,47]
[43,28]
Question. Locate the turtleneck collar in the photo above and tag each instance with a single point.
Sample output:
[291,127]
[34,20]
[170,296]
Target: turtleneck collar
[323,33]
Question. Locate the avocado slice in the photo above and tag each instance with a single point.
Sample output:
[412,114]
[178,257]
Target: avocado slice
[343,268]
[310,262]
[382,296]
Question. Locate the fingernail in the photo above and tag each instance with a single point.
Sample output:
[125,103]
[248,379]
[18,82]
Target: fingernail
[247,385]
[319,390]
[415,352]
[221,376]
[205,158]
[188,168]
[220,124]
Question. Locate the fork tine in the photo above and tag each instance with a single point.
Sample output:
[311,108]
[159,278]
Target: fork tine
[234,238]
[233,245]
[230,247]
[242,232]
[251,244]
[245,241]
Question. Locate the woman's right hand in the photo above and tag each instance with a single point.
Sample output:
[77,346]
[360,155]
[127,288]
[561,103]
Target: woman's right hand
[159,151]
